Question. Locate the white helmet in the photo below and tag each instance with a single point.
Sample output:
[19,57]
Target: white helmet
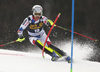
[37,10]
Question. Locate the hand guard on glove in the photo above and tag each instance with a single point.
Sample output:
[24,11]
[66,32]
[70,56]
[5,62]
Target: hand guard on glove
[50,23]
[20,39]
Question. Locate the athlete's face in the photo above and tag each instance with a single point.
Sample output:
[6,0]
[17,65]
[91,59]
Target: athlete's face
[37,16]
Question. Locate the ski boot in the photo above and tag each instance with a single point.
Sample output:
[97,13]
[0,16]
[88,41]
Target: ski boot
[68,59]
[54,57]
[64,58]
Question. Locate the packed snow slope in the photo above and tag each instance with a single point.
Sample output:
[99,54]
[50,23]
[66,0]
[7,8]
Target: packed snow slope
[15,61]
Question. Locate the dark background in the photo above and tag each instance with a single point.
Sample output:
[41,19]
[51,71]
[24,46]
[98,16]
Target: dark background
[87,21]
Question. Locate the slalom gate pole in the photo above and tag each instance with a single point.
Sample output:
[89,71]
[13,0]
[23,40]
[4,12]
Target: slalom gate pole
[76,33]
[72,35]
[49,33]
[8,43]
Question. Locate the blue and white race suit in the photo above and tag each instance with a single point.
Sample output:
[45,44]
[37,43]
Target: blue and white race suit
[34,28]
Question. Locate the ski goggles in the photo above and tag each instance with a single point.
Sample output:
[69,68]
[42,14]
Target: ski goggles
[37,14]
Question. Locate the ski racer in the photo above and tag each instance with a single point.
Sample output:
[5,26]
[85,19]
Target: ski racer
[34,24]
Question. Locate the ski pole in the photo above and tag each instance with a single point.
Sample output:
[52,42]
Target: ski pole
[8,43]
[76,33]
[49,33]
[18,40]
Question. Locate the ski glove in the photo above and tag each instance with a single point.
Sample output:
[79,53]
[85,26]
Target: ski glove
[50,23]
[20,39]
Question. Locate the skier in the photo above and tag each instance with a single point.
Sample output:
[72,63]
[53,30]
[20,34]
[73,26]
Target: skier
[34,24]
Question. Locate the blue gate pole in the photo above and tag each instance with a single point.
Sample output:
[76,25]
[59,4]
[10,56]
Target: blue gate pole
[72,35]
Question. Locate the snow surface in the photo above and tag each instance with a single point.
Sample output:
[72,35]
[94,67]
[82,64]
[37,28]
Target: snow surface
[15,61]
